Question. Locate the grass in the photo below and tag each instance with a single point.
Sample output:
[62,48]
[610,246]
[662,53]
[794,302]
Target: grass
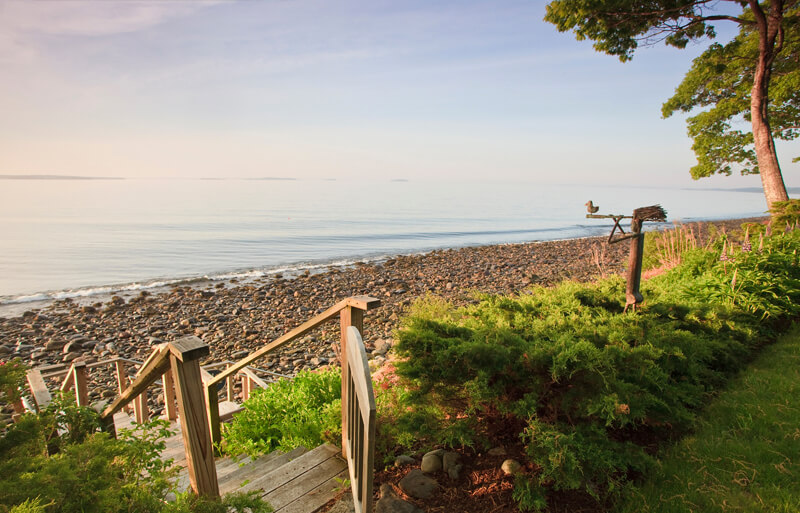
[745,454]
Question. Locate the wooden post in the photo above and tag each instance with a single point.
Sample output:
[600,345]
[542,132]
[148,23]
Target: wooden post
[349,316]
[185,355]
[168,385]
[632,295]
[141,412]
[229,384]
[245,387]
[122,379]
[212,413]
[81,385]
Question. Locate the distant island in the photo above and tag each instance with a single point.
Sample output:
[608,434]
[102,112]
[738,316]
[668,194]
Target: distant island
[274,178]
[57,177]
[399,180]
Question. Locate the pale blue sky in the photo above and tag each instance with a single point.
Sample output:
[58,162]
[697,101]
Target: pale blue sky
[327,89]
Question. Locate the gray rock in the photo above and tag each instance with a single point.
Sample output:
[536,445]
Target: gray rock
[417,484]
[510,467]
[497,451]
[5,350]
[345,505]
[72,347]
[403,459]
[390,503]
[382,346]
[451,465]
[54,345]
[431,462]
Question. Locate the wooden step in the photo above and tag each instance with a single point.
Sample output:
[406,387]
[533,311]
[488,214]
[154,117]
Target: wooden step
[314,472]
[255,470]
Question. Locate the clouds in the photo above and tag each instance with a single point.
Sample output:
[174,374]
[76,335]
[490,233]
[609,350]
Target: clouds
[320,88]
[91,18]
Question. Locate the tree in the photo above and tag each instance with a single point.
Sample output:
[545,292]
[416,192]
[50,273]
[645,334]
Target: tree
[720,80]
[618,27]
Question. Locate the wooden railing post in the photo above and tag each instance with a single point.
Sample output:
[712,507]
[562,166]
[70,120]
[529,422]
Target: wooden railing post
[122,379]
[212,412]
[185,355]
[349,316]
[168,386]
[81,384]
[141,412]
[229,384]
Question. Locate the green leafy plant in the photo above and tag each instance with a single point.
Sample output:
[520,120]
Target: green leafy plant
[304,411]
[12,374]
[785,213]
[581,380]
[58,461]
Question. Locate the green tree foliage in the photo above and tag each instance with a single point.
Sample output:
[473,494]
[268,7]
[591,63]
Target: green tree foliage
[719,82]
[768,28]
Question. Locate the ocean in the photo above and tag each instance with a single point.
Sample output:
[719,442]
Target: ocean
[85,238]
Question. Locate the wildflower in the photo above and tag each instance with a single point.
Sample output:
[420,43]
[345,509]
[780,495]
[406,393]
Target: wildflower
[733,281]
[724,256]
[746,246]
[760,242]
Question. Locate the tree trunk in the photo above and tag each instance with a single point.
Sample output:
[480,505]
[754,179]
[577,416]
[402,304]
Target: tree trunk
[767,157]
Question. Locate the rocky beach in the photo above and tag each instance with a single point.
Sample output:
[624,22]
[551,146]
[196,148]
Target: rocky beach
[237,318]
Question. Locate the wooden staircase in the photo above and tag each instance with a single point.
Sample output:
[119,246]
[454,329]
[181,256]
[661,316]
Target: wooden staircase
[299,481]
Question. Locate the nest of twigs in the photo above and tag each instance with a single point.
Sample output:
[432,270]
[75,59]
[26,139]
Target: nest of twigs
[651,213]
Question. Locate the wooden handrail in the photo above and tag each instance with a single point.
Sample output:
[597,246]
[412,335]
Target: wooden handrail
[153,368]
[359,435]
[41,396]
[48,371]
[350,312]
[360,302]
[181,359]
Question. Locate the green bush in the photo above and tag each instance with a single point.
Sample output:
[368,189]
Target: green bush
[304,411]
[583,380]
[58,461]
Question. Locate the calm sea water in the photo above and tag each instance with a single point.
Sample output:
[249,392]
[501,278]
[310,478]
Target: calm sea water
[79,238]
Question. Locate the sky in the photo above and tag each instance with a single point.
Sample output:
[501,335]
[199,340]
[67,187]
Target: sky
[314,89]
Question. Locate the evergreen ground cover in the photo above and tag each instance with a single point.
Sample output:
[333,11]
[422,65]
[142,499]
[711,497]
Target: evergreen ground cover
[743,455]
[592,390]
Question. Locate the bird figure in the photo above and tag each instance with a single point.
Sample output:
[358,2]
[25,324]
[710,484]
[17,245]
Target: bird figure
[591,208]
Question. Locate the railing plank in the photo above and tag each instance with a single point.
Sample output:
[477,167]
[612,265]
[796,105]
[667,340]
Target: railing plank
[361,302]
[359,438]
[41,396]
[154,366]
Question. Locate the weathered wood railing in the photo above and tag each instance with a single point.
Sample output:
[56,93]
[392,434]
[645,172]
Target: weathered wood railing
[181,361]
[191,393]
[359,439]
[350,312]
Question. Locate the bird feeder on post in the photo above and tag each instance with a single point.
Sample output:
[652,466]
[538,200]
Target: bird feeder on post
[633,297]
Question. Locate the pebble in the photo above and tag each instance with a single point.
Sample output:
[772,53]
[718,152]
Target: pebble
[510,467]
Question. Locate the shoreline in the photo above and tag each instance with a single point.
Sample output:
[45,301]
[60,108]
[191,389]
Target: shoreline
[17,304]
[236,318]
